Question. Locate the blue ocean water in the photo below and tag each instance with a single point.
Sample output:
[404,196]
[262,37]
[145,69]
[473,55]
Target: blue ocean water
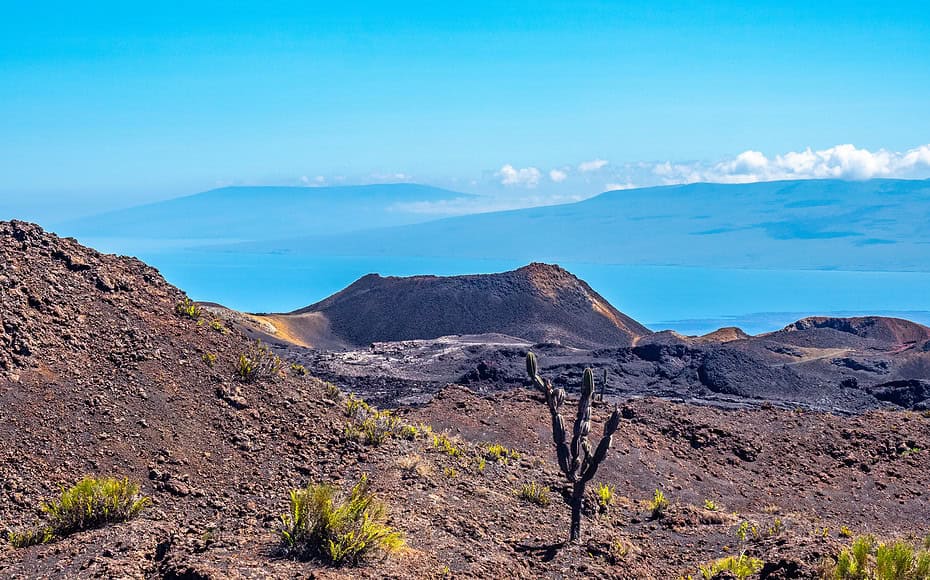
[691,300]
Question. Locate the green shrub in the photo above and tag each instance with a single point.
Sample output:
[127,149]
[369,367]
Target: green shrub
[442,442]
[258,364]
[331,392]
[747,529]
[534,493]
[373,429]
[499,453]
[371,426]
[298,370]
[711,505]
[33,537]
[867,559]
[218,326]
[741,566]
[320,525]
[356,406]
[658,504]
[209,359]
[92,503]
[605,496]
[408,432]
[187,308]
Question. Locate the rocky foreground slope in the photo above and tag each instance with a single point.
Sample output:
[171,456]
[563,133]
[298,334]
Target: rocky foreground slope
[100,375]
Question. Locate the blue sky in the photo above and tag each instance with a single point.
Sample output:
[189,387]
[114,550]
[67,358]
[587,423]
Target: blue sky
[108,103]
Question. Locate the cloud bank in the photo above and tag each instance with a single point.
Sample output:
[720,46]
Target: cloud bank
[588,166]
[525,177]
[839,162]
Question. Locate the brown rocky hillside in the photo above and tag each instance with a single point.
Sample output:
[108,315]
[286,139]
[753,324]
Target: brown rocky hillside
[539,303]
[100,375]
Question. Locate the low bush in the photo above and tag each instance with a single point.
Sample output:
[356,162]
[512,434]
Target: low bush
[371,426]
[356,406]
[209,359]
[373,429]
[534,493]
[499,453]
[94,502]
[332,392]
[658,504]
[258,364]
[442,442]
[605,496]
[746,530]
[408,432]
[91,503]
[321,525]
[741,566]
[187,308]
[34,537]
[868,559]
[414,466]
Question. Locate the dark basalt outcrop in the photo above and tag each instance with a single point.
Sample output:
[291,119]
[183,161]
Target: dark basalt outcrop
[910,394]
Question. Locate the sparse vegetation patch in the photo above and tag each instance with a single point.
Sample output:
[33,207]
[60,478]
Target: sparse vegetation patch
[187,308]
[741,567]
[499,453]
[258,364]
[534,493]
[605,496]
[658,504]
[338,530]
[868,559]
[91,503]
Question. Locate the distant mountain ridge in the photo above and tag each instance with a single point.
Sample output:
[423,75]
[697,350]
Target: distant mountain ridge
[265,213]
[812,224]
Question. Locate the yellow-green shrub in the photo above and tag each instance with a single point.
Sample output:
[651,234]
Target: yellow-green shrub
[339,531]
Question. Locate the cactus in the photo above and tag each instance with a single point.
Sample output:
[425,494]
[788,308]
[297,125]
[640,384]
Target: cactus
[576,459]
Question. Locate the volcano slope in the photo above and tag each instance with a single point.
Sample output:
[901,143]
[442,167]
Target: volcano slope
[100,375]
[538,303]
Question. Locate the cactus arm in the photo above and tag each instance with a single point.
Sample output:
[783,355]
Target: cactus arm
[576,461]
[582,421]
[601,452]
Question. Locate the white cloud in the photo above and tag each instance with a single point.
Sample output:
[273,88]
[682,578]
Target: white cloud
[390,177]
[317,181]
[839,162]
[524,177]
[619,186]
[557,175]
[594,165]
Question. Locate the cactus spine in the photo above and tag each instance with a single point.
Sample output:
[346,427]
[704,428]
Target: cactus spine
[576,460]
